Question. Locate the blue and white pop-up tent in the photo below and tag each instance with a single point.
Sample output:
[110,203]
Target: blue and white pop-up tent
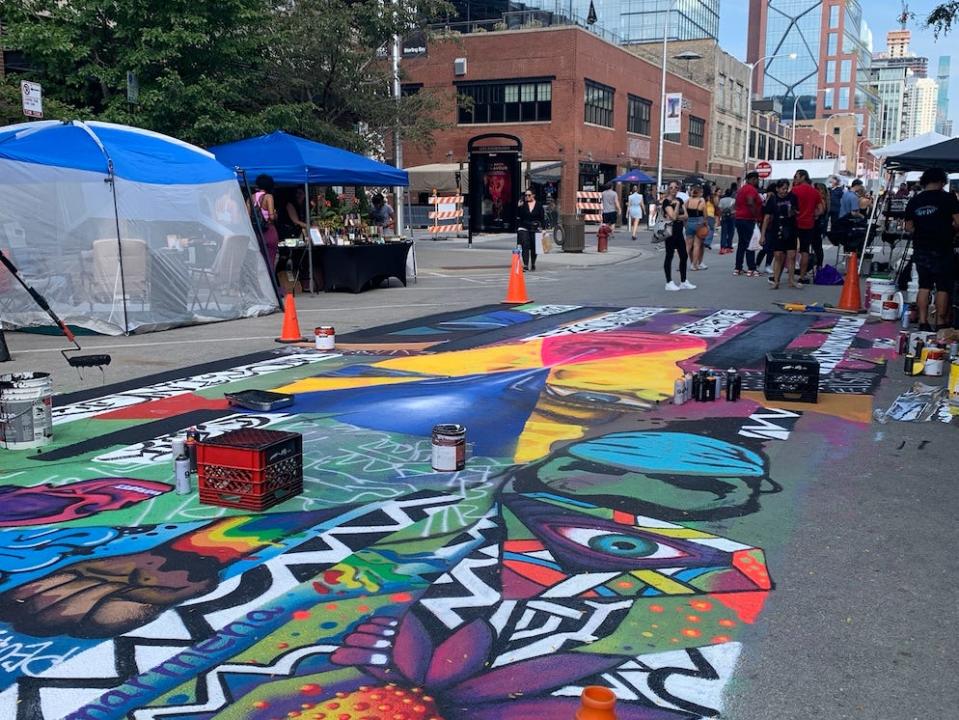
[124,230]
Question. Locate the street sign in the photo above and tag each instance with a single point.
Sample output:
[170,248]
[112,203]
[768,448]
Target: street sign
[764,169]
[133,88]
[32,95]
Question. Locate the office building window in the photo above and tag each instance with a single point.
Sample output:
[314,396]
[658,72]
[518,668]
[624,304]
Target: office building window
[697,132]
[827,99]
[761,150]
[599,104]
[505,102]
[843,98]
[640,111]
[830,71]
[834,17]
[846,74]
[832,46]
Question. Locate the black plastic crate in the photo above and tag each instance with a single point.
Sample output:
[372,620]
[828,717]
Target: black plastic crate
[791,377]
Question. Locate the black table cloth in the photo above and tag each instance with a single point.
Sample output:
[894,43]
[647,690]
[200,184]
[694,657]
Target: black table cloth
[359,267]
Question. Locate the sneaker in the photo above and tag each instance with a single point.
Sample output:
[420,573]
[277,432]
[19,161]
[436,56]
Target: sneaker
[686,285]
[771,281]
[672,286]
[703,266]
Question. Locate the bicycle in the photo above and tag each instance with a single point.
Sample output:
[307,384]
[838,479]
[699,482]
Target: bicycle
[553,221]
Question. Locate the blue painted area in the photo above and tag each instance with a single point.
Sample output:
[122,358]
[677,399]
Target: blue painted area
[494,407]
[671,453]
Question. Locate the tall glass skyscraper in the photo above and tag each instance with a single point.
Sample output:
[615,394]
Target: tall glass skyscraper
[833,47]
[943,123]
[639,21]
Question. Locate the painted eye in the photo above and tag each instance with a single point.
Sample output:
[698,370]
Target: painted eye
[620,545]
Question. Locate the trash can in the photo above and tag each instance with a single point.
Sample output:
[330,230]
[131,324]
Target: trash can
[574,234]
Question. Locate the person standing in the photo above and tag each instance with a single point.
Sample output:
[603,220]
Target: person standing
[727,220]
[674,211]
[822,225]
[262,204]
[695,220]
[779,232]
[933,218]
[530,218]
[749,211]
[712,213]
[809,208]
[836,190]
[611,206]
[637,208]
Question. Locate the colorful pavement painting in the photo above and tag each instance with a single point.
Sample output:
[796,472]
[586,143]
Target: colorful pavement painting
[598,535]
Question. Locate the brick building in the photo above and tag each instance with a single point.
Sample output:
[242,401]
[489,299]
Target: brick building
[581,103]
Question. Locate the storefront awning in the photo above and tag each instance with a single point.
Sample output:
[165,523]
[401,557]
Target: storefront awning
[442,176]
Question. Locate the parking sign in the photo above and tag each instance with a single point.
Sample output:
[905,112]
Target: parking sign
[32,95]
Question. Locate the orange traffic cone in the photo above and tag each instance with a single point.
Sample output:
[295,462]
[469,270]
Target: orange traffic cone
[851,296]
[291,325]
[596,703]
[516,290]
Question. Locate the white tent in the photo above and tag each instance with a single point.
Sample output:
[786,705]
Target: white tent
[124,230]
[909,145]
[818,170]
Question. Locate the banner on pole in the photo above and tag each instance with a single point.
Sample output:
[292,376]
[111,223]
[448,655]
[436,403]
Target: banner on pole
[674,110]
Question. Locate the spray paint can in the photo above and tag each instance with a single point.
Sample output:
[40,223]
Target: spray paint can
[679,391]
[730,383]
[697,386]
[910,364]
[904,319]
[903,343]
[919,346]
[192,438]
[181,474]
[178,446]
[737,387]
[689,387]
[710,388]
[954,349]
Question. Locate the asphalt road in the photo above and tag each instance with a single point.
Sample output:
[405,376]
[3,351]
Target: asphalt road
[863,618]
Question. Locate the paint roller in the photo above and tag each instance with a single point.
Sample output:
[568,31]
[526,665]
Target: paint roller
[78,361]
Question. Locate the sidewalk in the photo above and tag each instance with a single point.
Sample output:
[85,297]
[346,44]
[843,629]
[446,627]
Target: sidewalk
[491,251]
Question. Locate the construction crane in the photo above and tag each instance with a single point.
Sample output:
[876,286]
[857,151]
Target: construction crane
[904,16]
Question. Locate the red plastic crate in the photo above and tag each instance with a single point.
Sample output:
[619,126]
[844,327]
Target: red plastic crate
[250,469]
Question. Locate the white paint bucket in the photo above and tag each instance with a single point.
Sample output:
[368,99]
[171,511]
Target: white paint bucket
[878,290]
[890,310]
[325,337]
[26,401]
[935,361]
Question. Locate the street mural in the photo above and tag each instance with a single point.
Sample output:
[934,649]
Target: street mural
[599,534]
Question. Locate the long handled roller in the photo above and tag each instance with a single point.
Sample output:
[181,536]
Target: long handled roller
[78,361]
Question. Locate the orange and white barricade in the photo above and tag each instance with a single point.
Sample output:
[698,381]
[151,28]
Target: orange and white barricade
[590,206]
[447,213]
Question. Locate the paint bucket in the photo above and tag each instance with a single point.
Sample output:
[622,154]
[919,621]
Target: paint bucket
[325,337]
[890,310]
[449,447]
[26,402]
[879,291]
[935,359]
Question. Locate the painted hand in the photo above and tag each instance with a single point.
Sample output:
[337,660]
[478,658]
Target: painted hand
[108,597]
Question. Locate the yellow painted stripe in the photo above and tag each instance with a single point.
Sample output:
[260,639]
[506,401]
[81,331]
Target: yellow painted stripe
[661,582]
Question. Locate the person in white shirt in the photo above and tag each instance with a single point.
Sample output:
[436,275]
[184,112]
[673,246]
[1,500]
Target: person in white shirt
[637,208]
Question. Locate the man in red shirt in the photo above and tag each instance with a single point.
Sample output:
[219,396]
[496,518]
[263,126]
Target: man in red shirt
[810,207]
[749,211]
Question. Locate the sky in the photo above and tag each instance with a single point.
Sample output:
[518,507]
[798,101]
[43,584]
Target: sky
[881,16]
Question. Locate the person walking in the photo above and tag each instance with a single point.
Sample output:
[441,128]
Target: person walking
[810,206]
[727,220]
[695,224]
[637,208]
[674,211]
[779,232]
[611,206]
[530,218]
[933,218]
[749,211]
[712,213]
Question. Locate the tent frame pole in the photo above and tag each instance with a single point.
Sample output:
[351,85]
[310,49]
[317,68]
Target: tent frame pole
[258,234]
[309,236]
[872,222]
[112,180]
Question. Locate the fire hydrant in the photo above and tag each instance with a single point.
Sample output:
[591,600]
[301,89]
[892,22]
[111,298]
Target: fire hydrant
[602,237]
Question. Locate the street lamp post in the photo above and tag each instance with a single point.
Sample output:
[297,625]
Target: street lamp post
[792,155]
[825,129]
[858,150]
[749,101]
[662,98]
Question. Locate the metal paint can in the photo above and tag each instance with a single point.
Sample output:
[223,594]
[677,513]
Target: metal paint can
[325,337]
[181,474]
[935,360]
[910,364]
[178,446]
[449,447]
[954,349]
[679,391]
[890,310]
[903,343]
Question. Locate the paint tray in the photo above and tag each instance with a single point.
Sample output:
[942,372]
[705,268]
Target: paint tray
[262,400]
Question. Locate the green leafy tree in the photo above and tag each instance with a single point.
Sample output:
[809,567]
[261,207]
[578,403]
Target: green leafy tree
[942,17]
[216,71]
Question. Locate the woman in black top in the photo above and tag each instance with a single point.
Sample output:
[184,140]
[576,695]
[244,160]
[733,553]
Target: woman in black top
[674,211]
[530,219]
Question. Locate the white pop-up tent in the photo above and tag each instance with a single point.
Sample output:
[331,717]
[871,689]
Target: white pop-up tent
[124,230]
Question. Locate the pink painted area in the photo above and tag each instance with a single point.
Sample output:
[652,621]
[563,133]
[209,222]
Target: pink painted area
[584,347]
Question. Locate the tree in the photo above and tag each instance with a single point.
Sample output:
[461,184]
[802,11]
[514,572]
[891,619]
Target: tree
[212,72]
[942,17]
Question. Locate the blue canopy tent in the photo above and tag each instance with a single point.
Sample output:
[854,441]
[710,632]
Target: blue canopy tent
[292,160]
[124,230]
[633,176]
